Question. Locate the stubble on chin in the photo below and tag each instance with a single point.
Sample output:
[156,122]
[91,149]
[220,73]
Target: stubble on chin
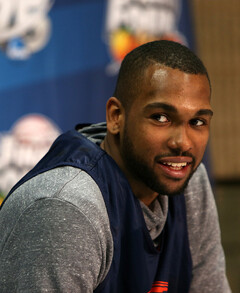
[141,170]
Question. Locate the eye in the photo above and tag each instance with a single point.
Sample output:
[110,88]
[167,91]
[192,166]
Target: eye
[160,118]
[197,122]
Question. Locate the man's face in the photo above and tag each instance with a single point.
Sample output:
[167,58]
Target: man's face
[166,129]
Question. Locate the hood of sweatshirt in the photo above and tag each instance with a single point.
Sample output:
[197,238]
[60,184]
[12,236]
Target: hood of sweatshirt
[94,132]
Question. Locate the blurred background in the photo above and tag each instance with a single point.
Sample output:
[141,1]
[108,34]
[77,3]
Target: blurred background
[59,61]
[217,35]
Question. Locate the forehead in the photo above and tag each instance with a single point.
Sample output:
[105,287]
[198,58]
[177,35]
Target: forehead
[172,86]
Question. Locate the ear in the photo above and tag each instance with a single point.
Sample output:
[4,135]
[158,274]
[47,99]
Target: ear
[114,115]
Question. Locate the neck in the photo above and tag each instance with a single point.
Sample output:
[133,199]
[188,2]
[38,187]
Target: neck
[141,191]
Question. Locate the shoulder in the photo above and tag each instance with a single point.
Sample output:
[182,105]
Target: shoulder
[56,213]
[202,218]
[69,184]
[199,181]
[204,235]
[72,186]
[200,205]
[198,194]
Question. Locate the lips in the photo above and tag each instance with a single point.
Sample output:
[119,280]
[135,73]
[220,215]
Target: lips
[175,167]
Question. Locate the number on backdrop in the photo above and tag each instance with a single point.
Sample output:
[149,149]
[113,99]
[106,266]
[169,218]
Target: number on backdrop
[24,27]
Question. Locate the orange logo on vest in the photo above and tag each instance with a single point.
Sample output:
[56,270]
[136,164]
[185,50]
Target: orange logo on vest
[159,287]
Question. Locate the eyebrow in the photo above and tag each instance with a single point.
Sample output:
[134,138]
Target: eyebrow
[171,108]
[204,112]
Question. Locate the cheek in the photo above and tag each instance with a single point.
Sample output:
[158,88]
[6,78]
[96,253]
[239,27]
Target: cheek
[200,145]
[143,143]
[153,143]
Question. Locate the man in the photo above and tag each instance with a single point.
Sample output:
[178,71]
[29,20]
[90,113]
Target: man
[127,211]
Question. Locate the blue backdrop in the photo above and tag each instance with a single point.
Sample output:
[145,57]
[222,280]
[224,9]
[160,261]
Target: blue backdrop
[67,79]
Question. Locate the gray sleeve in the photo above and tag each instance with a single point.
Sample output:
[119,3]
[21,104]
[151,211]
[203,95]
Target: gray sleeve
[49,251]
[58,245]
[204,236]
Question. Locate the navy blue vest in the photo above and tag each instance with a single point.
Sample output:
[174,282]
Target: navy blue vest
[137,265]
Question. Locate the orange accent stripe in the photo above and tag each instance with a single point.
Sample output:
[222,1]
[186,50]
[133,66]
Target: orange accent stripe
[159,287]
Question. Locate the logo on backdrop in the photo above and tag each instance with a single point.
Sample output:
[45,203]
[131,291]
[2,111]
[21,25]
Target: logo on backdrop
[132,23]
[24,27]
[23,146]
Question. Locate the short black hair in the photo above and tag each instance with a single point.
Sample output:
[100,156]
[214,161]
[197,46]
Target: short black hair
[162,52]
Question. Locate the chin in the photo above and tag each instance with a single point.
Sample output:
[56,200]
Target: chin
[176,191]
[179,189]
[170,188]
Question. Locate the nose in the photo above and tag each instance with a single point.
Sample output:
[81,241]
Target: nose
[180,140]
